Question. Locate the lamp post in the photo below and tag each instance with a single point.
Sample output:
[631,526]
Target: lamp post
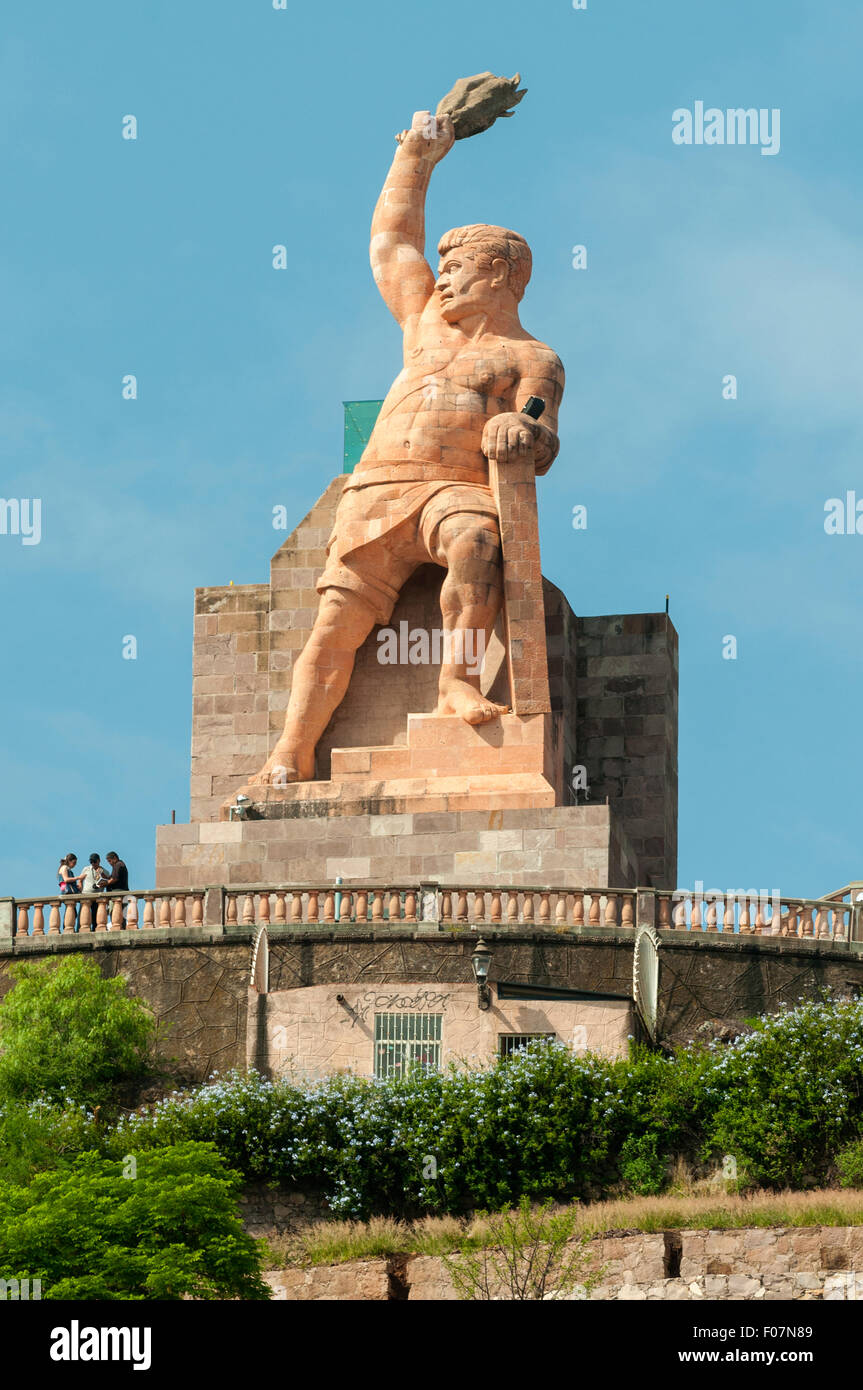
[481,960]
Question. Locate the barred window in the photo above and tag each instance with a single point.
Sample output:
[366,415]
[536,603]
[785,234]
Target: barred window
[407,1041]
[508,1043]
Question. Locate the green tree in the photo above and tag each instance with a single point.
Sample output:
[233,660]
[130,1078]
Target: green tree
[66,1032]
[161,1224]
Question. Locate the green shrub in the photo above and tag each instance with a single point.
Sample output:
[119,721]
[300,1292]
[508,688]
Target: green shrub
[156,1225]
[642,1168]
[67,1033]
[786,1096]
[849,1162]
[38,1135]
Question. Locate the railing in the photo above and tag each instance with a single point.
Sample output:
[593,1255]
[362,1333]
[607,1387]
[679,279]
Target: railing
[98,912]
[447,906]
[751,914]
[430,905]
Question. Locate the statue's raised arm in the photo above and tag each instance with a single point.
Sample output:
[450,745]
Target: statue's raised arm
[397,250]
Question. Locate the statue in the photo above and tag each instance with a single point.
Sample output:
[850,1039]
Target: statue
[421,491]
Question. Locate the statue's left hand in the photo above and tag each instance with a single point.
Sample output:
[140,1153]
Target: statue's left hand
[509,436]
[431,137]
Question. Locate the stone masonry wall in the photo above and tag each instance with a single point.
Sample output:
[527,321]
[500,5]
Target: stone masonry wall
[627,677]
[818,1262]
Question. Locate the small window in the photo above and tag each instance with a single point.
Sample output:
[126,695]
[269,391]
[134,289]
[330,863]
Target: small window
[407,1042]
[508,1043]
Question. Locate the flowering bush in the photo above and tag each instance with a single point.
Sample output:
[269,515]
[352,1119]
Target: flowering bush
[545,1122]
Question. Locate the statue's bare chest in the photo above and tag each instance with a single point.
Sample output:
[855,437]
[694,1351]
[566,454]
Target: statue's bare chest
[488,369]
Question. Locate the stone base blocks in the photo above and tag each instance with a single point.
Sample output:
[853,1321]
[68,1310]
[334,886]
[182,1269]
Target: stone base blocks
[565,845]
[444,765]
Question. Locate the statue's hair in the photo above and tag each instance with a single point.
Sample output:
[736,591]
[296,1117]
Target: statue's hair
[492,243]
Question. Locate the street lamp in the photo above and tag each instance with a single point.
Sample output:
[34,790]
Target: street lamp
[481,960]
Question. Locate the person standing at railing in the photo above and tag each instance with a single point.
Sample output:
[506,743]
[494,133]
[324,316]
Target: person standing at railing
[91,881]
[69,882]
[119,880]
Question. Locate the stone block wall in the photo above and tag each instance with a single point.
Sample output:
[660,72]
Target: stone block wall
[769,1264]
[558,846]
[627,679]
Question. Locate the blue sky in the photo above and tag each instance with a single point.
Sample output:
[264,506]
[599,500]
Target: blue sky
[259,127]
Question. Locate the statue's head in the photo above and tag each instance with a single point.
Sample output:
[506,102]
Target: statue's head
[481,267]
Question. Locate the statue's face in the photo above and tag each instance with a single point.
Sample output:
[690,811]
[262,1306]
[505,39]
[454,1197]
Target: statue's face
[463,287]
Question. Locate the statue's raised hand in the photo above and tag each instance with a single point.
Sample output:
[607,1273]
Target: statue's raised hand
[430,137]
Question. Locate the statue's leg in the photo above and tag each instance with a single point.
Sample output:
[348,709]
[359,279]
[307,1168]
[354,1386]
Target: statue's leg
[320,679]
[471,596]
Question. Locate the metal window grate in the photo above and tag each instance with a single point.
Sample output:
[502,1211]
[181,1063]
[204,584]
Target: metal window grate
[508,1043]
[407,1041]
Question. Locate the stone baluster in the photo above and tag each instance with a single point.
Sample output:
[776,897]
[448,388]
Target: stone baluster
[512,906]
[410,906]
[680,915]
[789,922]
[695,914]
[53,919]
[461,908]
[822,926]
[760,924]
[132,914]
[280,912]
[479,905]
[395,905]
[627,916]
[560,912]
[330,906]
[264,909]
[496,909]
[363,905]
[249,910]
[839,931]
[744,923]
[544,909]
[296,910]
[578,909]
[102,915]
[611,910]
[593,914]
[378,906]
[69,918]
[345,906]
[527,911]
[712,916]
[665,923]
[165,910]
[149,912]
[231,910]
[197,910]
[38,920]
[116,915]
[807,926]
[314,907]
[23,926]
[180,910]
[728,916]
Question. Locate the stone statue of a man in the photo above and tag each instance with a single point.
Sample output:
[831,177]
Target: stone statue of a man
[421,491]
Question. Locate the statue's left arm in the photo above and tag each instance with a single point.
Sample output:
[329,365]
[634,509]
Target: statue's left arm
[512,433]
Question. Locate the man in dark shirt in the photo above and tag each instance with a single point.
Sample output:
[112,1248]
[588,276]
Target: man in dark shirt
[119,880]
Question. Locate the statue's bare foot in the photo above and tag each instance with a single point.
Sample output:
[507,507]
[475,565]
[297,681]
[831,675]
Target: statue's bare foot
[285,764]
[459,697]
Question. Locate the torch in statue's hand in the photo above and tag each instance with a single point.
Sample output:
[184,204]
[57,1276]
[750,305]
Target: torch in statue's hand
[473,105]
